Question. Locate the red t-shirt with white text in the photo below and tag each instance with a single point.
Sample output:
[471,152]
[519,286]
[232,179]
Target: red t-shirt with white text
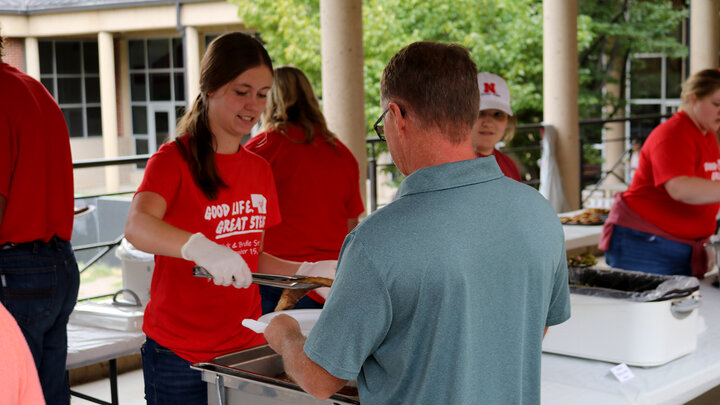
[675,148]
[194,318]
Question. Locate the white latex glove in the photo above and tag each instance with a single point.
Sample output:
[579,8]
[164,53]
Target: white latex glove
[224,264]
[323,268]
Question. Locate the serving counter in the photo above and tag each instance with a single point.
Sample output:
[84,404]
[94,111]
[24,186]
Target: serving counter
[569,380]
[580,236]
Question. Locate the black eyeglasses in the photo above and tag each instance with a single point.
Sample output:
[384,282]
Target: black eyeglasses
[379,127]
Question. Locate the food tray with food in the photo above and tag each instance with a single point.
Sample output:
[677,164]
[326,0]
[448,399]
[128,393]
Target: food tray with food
[588,216]
[586,259]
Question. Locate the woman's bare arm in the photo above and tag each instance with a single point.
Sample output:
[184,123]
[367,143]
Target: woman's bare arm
[693,190]
[146,229]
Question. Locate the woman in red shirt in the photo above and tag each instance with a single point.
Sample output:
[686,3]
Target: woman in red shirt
[316,176]
[495,123]
[660,223]
[206,200]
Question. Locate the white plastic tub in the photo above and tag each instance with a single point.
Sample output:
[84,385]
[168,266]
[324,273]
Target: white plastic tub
[137,270]
[617,326]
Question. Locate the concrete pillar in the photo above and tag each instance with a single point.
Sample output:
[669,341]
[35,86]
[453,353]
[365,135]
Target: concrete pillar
[614,133]
[560,89]
[192,64]
[704,35]
[122,70]
[342,77]
[32,57]
[108,107]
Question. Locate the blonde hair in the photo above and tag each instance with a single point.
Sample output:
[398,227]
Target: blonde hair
[510,130]
[292,101]
[701,84]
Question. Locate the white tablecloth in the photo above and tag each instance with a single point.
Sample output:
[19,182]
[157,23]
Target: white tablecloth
[569,380]
[89,345]
[580,236]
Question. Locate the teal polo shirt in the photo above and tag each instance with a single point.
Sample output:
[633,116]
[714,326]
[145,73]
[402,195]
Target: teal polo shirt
[441,297]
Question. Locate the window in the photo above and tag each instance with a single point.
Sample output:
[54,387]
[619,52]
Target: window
[70,72]
[157,90]
[654,89]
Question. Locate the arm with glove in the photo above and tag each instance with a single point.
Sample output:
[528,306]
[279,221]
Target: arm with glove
[224,264]
[146,230]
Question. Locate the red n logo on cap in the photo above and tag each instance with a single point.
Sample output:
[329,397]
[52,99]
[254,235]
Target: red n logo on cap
[489,88]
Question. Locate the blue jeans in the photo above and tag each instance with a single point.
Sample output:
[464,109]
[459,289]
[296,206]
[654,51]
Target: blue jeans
[169,378]
[271,296]
[641,251]
[39,288]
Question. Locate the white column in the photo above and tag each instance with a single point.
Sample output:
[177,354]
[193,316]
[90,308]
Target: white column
[560,89]
[32,57]
[342,77]
[614,136]
[704,40]
[192,64]
[108,107]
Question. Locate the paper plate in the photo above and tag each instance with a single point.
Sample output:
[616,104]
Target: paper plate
[305,317]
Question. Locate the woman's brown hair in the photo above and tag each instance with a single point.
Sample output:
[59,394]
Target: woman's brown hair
[292,101]
[228,56]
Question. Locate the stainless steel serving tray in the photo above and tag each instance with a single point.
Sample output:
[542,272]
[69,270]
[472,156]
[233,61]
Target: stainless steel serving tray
[250,376]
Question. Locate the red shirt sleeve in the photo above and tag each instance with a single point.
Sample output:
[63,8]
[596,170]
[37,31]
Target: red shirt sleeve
[673,156]
[162,174]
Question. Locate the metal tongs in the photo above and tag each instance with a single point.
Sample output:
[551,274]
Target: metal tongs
[272,280]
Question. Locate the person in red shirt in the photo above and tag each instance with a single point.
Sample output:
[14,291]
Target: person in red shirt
[660,223]
[316,176]
[38,270]
[205,200]
[495,123]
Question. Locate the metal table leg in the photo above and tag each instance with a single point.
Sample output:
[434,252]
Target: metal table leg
[113,388]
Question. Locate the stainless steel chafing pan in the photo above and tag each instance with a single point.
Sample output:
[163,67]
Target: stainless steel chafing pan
[255,376]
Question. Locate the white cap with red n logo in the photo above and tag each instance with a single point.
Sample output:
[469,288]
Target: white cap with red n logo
[494,93]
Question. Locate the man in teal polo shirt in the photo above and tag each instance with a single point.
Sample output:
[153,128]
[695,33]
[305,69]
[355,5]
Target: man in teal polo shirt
[444,295]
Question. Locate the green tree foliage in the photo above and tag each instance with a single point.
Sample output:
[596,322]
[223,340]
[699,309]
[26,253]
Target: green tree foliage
[290,30]
[503,36]
[610,31]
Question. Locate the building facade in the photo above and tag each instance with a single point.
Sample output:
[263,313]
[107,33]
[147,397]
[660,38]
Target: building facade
[121,71]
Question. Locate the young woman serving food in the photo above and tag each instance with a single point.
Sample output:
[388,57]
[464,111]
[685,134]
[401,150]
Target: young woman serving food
[205,200]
